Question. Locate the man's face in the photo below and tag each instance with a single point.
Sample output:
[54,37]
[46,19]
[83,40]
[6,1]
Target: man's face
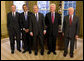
[25,8]
[13,8]
[35,8]
[71,11]
[52,8]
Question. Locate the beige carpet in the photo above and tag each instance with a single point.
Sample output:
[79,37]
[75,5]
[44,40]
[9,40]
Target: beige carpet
[6,55]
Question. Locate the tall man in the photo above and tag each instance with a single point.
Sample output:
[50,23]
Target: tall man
[25,23]
[52,21]
[37,28]
[13,27]
[70,30]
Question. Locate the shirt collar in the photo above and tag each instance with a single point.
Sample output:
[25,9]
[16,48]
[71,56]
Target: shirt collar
[36,13]
[71,15]
[53,12]
[26,12]
[14,13]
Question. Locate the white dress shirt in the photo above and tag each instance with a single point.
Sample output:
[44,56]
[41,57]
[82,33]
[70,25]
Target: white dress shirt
[25,13]
[13,13]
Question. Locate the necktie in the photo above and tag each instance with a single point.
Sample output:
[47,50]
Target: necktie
[36,17]
[13,14]
[25,16]
[70,20]
[52,18]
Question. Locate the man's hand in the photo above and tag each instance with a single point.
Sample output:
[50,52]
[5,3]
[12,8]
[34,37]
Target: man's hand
[76,37]
[26,30]
[31,33]
[62,34]
[44,32]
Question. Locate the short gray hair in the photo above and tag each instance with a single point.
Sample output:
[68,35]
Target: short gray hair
[36,6]
[71,8]
[53,4]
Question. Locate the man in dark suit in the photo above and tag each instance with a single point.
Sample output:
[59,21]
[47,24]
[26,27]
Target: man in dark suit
[70,31]
[37,29]
[25,23]
[52,21]
[13,26]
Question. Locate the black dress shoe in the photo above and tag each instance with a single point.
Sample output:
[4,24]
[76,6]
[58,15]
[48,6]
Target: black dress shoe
[35,53]
[71,55]
[24,51]
[54,52]
[30,52]
[12,52]
[49,52]
[65,54]
[42,53]
[19,50]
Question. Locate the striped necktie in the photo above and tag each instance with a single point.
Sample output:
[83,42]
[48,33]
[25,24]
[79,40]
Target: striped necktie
[52,17]
[70,20]
[36,17]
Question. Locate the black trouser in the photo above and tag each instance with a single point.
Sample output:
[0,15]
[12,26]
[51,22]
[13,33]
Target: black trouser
[36,39]
[51,43]
[26,40]
[71,40]
[14,34]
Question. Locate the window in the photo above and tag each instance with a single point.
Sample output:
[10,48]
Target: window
[68,4]
[43,6]
[19,5]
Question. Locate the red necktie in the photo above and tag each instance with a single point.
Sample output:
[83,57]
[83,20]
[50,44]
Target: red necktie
[70,20]
[52,18]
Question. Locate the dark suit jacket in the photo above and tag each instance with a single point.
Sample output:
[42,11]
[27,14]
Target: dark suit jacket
[35,26]
[13,22]
[71,30]
[52,28]
[23,23]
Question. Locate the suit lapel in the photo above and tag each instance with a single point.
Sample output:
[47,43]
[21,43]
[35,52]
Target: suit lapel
[73,19]
[55,17]
[16,15]
[11,14]
[39,17]
[68,20]
[23,16]
[28,13]
[35,18]
[50,18]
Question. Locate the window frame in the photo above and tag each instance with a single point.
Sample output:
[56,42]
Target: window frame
[44,9]
[17,10]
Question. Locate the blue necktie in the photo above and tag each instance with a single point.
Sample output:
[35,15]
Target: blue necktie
[25,16]
[36,17]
